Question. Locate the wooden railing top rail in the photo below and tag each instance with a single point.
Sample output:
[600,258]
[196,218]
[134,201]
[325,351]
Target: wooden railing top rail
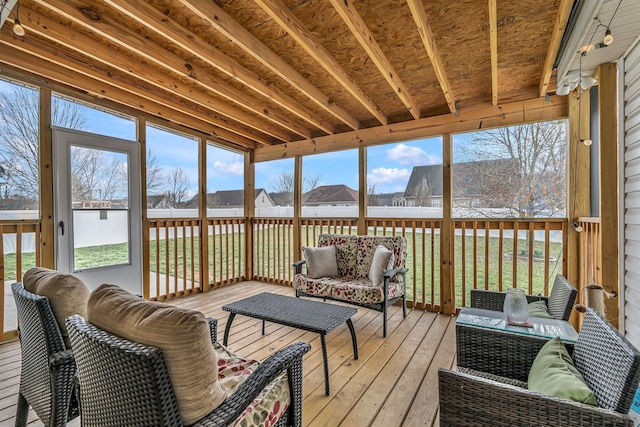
[592,220]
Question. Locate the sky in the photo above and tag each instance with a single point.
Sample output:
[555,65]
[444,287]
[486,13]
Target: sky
[389,166]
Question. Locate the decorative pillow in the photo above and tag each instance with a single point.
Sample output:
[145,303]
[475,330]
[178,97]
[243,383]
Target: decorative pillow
[182,335]
[67,294]
[321,262]
[539,309]
[554,374]
[382,261]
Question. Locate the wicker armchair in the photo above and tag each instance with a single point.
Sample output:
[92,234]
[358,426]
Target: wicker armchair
[48,367]
[609,364]
[559,302]
[123,383]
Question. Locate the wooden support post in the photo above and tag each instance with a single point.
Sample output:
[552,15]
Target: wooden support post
[141,136]
[447,293]
[48,234]
[249,211]
[297,208]
[203,227]
[579,186]
[362,190]
[607,100]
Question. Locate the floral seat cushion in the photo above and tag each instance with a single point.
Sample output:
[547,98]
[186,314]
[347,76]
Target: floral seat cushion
[268,406]
[359,291]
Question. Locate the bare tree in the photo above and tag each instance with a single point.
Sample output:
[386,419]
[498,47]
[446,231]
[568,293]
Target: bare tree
[19,130]
[155,177]
[372,196]
[422,193]
[178,185]
[531,178]
[284,184]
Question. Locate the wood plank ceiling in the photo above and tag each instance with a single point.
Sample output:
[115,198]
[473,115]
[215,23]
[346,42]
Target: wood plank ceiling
[253,73]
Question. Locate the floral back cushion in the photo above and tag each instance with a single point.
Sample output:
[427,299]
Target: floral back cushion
[346,245]
[367,247]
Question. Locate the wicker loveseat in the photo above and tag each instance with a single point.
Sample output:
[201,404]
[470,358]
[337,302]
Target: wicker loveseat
[352,284]
[608,363]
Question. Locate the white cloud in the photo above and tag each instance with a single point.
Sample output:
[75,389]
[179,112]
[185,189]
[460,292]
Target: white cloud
[232,168]
[408,155]
[388,179]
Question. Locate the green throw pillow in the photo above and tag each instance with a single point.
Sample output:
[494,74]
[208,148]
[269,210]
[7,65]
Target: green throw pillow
[554,374]
[539,309]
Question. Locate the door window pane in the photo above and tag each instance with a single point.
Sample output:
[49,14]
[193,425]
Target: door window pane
[99,201]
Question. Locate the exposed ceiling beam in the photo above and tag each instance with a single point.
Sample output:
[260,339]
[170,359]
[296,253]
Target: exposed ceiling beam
[296,29]
[493,42]
[471,119]
[352,18]
[221,21]
[559,27]
[129,40]
[166,27]
[71,39]
[422,22]
[162,103]
[72,79]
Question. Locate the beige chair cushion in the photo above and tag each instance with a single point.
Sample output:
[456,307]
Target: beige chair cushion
[382,262]
[182,335]
[67,294]
[321,262]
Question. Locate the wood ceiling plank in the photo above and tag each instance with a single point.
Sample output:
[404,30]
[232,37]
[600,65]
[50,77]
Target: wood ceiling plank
[354,21]
[559,27]
[296,29]
[55,74]
[118,34]
[471,119]
[58,33]
[221,21]
[155,20]
[422,22]
[493,42]
[102,75]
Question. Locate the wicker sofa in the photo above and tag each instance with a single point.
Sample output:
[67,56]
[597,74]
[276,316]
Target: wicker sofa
[609,364]
[354,256]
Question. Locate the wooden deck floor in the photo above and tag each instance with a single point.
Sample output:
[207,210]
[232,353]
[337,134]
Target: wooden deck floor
[394,382]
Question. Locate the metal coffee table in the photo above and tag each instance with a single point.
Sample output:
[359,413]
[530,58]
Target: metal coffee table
[312,316]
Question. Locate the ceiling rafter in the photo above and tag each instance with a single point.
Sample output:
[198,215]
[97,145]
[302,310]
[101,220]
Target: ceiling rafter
[125,38]
[40,66]
[63,35]
[354,21]
[220,20]
[422,22]
[493,42]
[166,27]
[296,29]
[160,102]
[559,26]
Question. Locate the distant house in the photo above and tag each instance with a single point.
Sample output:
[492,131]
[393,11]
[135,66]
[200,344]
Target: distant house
[475,184]
[232,199]
[331,195]
[283,198]
[384,199]
[159,201]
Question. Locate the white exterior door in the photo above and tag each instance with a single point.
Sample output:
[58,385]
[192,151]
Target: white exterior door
[98,209]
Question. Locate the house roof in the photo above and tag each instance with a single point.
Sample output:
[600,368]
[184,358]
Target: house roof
[464,177]
[258,75]
[223,198]
[331,194]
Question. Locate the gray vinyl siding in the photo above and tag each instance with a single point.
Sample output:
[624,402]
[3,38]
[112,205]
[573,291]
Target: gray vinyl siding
[631,277]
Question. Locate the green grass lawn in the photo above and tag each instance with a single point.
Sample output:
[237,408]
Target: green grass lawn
[420,268]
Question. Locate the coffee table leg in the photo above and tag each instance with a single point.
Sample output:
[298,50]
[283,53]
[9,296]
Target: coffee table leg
[228,328]
[354,341]
[263,327]
[326,364]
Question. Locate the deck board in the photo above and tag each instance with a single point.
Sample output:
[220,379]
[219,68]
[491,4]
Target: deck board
[393,383]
